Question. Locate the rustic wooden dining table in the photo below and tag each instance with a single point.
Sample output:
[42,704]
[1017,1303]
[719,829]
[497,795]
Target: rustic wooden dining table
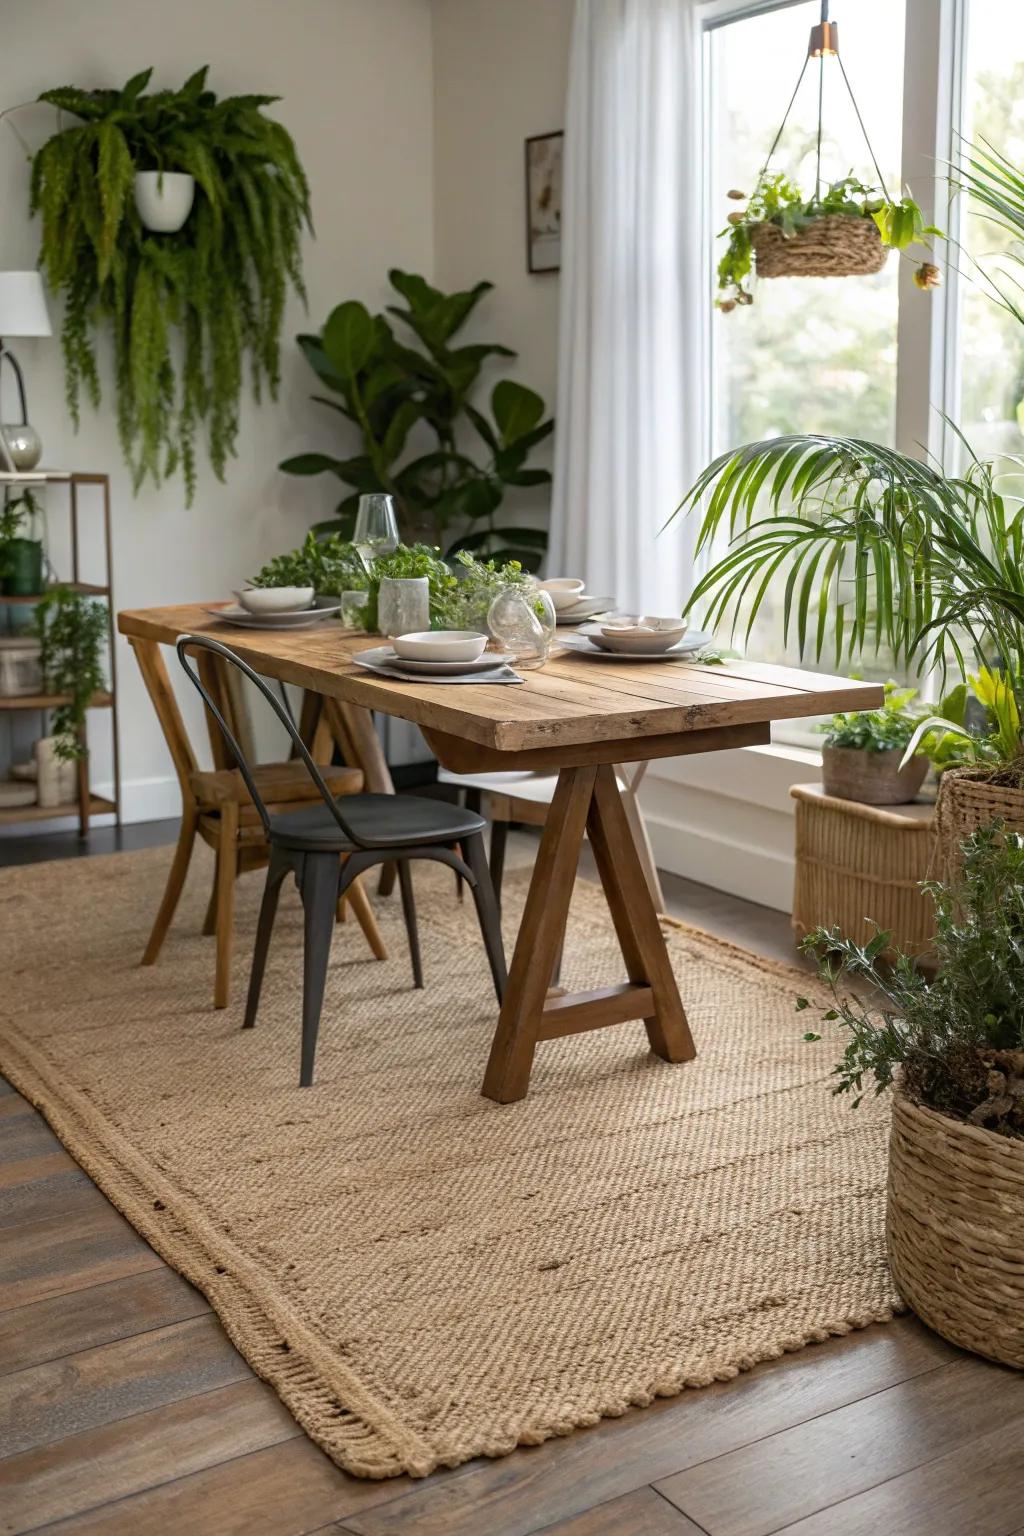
[577,716]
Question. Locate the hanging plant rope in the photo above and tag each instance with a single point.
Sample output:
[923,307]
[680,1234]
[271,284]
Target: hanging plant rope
[845,229]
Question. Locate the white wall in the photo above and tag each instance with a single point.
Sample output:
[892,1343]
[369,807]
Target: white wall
[355,77]
[500,73]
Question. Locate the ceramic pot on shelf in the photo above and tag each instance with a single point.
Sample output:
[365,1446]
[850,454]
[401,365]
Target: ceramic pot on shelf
[164,199]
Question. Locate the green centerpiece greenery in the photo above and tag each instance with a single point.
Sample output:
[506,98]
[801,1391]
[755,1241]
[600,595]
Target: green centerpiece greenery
[779,202]
[189,312]
[72,631]
[409,394]
[329,565]
[957,1039]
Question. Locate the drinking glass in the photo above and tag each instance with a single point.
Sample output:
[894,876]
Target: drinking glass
[376,531]
[353,609]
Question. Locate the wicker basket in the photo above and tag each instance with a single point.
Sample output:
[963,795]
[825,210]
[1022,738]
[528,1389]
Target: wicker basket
[969,800]
[838,245]
[955,1229]
[857,865]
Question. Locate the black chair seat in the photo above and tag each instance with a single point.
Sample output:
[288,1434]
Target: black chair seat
[377,821]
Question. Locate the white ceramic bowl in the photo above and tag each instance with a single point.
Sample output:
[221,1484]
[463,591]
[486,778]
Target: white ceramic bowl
[645,635]
[275,599]
[564,591]
[441,645]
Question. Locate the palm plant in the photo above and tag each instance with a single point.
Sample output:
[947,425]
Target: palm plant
[877,548]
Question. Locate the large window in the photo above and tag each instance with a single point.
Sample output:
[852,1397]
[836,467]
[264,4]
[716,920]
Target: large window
[817,355]
[991,342]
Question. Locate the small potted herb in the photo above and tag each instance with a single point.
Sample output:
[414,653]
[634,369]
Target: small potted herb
[329,565]
[863,754]
[952,1048]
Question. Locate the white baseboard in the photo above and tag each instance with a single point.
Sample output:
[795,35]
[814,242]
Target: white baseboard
[726,819]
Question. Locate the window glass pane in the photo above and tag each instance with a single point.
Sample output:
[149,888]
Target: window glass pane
[810,354]
[991,342]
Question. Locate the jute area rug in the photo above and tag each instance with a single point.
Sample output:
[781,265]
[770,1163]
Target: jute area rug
[425,1276]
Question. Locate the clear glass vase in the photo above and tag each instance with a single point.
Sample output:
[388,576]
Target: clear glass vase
[523,623]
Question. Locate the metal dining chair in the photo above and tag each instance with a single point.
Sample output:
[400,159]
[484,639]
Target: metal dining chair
[326,846]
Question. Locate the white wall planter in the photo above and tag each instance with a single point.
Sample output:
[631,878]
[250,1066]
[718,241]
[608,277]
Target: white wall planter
[164,200]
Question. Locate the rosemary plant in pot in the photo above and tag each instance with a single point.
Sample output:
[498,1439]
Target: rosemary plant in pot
[952,1048]
[191,306]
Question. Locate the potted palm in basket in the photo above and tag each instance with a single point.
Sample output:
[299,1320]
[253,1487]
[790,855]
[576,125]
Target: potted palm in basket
[952,1048]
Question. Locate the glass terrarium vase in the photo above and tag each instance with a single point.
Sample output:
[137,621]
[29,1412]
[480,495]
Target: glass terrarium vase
[523,623]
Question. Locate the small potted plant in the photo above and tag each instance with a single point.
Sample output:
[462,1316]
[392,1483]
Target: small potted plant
[952,1048]
[329,565]
[72,631]
[864,756]
[21,557]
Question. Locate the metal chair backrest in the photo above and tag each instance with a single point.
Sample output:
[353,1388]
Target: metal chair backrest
[203,642]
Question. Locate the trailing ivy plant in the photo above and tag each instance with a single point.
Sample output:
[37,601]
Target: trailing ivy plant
[191,312]
[778,200]
[409,395]
[72,631]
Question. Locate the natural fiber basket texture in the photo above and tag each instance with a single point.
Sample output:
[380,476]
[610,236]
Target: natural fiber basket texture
[955,1229]
[968,800]
[423,1275]
[836,245]
[858,866]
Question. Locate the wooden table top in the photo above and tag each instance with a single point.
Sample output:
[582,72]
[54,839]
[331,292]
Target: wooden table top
[572,700]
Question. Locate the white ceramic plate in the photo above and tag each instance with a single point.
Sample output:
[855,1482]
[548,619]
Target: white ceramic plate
[587,608]
[385,656]
[234,613]
[683,649]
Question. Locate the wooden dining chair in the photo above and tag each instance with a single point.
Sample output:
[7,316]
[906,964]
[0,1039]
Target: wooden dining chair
[218,807]
[328,844]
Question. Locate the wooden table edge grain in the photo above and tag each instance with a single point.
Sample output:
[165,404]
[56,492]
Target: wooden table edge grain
[579,718]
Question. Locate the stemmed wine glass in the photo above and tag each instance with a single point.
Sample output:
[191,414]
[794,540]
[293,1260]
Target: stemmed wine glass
[376,531]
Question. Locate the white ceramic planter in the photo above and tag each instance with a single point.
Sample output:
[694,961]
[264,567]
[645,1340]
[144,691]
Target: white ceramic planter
[164,200]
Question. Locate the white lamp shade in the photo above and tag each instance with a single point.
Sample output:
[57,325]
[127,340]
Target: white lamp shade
[23,309]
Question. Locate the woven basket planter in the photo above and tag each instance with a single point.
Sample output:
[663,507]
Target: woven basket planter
[872,778]
[837,245]
[969,800]
[857,865]
[955,1229]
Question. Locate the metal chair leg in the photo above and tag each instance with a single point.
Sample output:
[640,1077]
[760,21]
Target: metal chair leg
[499,836]
[276,872]
[319,894]
[409,913]
[487,912]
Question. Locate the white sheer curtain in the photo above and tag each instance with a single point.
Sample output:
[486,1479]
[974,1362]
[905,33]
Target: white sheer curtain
[630,434]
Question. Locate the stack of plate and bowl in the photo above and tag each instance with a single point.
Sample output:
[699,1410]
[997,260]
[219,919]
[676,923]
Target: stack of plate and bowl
[571,601]
[438,654]
[625,637]
[276,608]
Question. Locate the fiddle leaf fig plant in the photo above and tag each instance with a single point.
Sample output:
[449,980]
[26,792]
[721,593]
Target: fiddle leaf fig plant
[407,386]
[189,312]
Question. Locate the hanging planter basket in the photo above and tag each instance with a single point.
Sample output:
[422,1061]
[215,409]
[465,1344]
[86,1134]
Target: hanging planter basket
[835,246]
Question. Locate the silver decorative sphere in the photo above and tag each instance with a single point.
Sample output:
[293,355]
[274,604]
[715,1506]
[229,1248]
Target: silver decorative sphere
[24,445]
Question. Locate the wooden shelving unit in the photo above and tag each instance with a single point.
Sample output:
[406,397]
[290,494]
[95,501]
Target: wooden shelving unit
[87,803]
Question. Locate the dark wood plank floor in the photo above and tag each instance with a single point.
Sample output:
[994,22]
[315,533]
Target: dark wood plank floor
[125,1411]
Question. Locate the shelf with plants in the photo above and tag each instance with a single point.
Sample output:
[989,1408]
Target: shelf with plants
[72,622]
